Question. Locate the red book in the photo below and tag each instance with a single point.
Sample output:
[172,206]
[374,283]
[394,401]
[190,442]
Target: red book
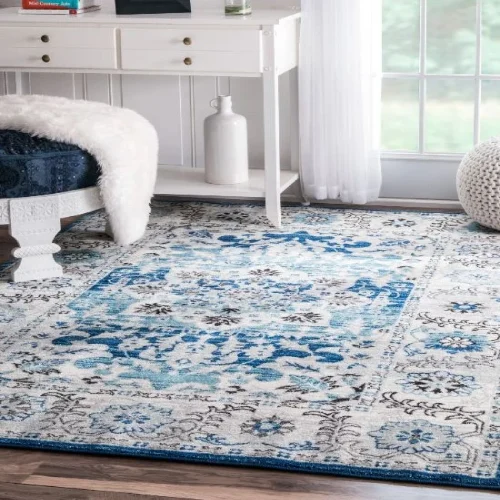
[36,4]
[57,4]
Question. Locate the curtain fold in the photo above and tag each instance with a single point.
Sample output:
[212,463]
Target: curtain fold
[340,95]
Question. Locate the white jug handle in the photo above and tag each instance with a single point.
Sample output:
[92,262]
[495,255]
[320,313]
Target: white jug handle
[213,103]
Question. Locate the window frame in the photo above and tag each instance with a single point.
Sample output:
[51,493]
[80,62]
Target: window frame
[423,78]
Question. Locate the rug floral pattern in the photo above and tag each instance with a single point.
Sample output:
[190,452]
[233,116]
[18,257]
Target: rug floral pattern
[354,342]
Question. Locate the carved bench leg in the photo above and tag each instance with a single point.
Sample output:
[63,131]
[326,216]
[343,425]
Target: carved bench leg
[34,223]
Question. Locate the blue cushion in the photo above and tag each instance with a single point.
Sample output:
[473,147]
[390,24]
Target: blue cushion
[31,166]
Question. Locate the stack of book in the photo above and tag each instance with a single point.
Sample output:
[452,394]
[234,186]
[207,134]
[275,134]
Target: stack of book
[58,6]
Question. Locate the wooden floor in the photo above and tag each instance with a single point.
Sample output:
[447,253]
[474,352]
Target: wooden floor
[33,475]
[6,244]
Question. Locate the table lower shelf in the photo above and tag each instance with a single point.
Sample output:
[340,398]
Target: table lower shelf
[186,181]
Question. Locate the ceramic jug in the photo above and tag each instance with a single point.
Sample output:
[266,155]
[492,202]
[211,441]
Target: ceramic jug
[226,144]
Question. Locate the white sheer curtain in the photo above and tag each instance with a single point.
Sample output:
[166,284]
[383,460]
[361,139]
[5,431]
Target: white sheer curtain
[340,76]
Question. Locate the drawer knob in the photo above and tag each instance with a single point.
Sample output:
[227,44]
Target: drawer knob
[45,58]
[187,41]
[188,61]
[44,38]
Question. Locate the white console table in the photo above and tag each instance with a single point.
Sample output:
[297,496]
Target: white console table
[263,45]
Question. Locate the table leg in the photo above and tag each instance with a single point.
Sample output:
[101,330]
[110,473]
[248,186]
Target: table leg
[271,128]
[295,134]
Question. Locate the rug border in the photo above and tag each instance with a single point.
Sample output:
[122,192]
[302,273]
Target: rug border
[346,471]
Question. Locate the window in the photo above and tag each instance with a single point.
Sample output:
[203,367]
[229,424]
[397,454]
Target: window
[441,88]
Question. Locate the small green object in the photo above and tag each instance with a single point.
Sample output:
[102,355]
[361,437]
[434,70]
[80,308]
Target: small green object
[239,10]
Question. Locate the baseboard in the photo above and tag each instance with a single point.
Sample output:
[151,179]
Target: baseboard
[408,203]
[382,203]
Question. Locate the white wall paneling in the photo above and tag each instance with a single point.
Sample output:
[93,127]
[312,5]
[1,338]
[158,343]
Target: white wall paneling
[247,97]
[22,83]
[49,84]
[159,99]
[10,80]
[4,84]
[96,88]
[204,89]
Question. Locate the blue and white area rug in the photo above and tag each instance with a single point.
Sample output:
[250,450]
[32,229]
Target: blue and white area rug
[348,342]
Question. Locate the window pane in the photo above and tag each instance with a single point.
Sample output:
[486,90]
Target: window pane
[451,36]
[490,110]
[491,37]
[400,115]
[401,36]
[449,116]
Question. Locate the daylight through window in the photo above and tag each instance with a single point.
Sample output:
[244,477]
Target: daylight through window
[441,89]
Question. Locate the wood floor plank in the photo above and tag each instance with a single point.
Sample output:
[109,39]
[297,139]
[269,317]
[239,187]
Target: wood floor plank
[16,466]
[339,490]
[206,477]
[168,480]
[183,491]
[25,458]
[6,244]
[215,482]
[161,472]
[210,479]
[10,491]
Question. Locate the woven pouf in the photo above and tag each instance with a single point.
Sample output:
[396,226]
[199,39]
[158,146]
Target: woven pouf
[478,184]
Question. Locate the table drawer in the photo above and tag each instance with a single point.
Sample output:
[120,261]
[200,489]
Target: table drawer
[212,62]
[189,39]
[58,58]
[47,37]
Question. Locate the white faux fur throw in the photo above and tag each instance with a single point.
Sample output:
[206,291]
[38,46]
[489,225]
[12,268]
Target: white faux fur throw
[124,144]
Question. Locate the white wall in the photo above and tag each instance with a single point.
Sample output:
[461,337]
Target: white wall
[177,106]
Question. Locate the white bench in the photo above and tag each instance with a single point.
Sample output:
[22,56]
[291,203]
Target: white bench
[35,221]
